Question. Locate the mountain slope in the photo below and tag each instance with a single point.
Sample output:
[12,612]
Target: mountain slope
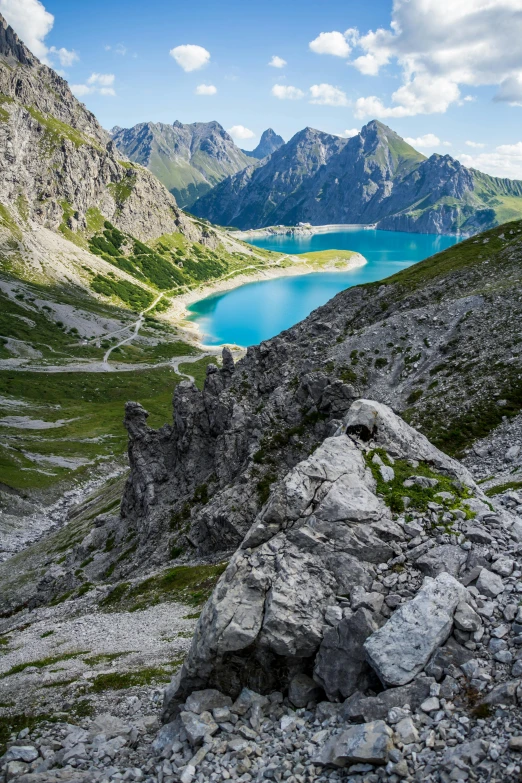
[374,177]
[270,142]
[188,159]
[258,194]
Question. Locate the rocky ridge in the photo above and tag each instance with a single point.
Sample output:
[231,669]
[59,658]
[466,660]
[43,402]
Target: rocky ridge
[373,177]
[189,159]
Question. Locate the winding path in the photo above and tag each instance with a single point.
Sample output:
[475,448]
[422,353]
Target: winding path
[137,327]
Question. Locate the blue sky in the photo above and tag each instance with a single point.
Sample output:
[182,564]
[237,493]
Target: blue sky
[446,74]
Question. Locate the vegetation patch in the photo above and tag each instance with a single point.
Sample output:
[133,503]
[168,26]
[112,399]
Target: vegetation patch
[55,131]
[509,486]
[394,491]
[13,724]
[191,585]
[122,190]
[133,295]
[42,663]
[116,681]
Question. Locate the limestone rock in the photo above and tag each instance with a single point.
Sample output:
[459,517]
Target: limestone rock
[368,743]
[489,583]
[402,647]
[302,690]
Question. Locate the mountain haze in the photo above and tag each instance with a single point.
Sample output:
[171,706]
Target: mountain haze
[188,159]
[373,177]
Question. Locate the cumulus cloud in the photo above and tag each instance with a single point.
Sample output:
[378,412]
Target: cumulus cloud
[277,62]
[429,140]
[101,83]
[240,132]
[441,47]
[475,144]
[287,92]
[65,56]
[190,57]
[505,161]
[31,22]
[205,89]
[347,134]
[334,43]
[327,95]
[118,49]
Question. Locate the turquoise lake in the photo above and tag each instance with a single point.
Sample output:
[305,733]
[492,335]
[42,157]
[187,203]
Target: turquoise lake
[257,311]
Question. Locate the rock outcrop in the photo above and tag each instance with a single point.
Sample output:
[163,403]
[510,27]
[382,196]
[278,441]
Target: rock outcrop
[285,605]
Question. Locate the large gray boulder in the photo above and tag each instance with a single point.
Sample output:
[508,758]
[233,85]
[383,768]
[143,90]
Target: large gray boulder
[368,743]
[403,646]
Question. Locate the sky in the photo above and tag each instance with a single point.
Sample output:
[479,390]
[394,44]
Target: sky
[444,74]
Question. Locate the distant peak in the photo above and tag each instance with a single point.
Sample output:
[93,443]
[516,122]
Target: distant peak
[12,48]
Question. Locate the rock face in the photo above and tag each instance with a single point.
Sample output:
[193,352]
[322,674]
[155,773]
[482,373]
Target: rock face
[188,159]
[401,649]
[268,618]
[44,130]
[374,177]
[269,143]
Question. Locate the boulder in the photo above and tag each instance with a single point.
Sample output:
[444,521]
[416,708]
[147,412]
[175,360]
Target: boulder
[198,727]
[341,660]
[368,743]
[360,708]
[489,584]
[402,647]
[206,701]
[447,557]
[302,690]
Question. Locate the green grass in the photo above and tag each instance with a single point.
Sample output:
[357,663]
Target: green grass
[191,585]
[509,486]
[116,681]
[134,296]
[321,258]
[122,190]
[13,724]
[393,491]
[92,404]
[96,660]
[56,130]
[41,664]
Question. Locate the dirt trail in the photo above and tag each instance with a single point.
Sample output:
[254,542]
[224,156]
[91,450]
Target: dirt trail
[137,327]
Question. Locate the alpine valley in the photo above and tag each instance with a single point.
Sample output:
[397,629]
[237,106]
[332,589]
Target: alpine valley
[297,562]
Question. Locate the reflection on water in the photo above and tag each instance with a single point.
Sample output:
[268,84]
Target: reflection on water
[257,311]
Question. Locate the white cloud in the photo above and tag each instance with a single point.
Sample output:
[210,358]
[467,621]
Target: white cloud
[102,79]
[441,47]
[327,95]
[190,57]
[121,50]
[31,22]
[277,62]
[205,89]
[101,83]
[288,93]
[505,161]
[334,43]
[347,134]
[240,132]
[475,144]
[65,56]
[429,140]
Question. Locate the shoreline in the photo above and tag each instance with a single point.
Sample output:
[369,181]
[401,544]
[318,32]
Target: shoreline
[191,331]
[307,229]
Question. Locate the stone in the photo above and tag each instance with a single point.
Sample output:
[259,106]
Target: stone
[302,690]
[368,743]
[198,727]
[166,735]
[503,566]
[246,699]
[361,708]
[505,693]
[206,701]
[515,743]
[107,724]
[430,705]
[402,647]
[466,619]
[447,557]
[21,753]
[489,584]
[406,732]
[341,659]
[387,473]
[188,774]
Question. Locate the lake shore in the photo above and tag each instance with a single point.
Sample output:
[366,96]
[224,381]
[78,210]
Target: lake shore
[303,230]
[191,332]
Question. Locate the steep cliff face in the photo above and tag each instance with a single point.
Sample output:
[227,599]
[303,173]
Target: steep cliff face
[57,164]
[189,159]
[270,142]
[434,341]
[374,177]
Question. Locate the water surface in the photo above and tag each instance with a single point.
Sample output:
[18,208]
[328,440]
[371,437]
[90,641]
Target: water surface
[257,311]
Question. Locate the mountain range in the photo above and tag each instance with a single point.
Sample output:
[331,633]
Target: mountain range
[374,177]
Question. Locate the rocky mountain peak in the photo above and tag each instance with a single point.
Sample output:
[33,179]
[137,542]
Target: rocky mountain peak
[269,143]
[12,48]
